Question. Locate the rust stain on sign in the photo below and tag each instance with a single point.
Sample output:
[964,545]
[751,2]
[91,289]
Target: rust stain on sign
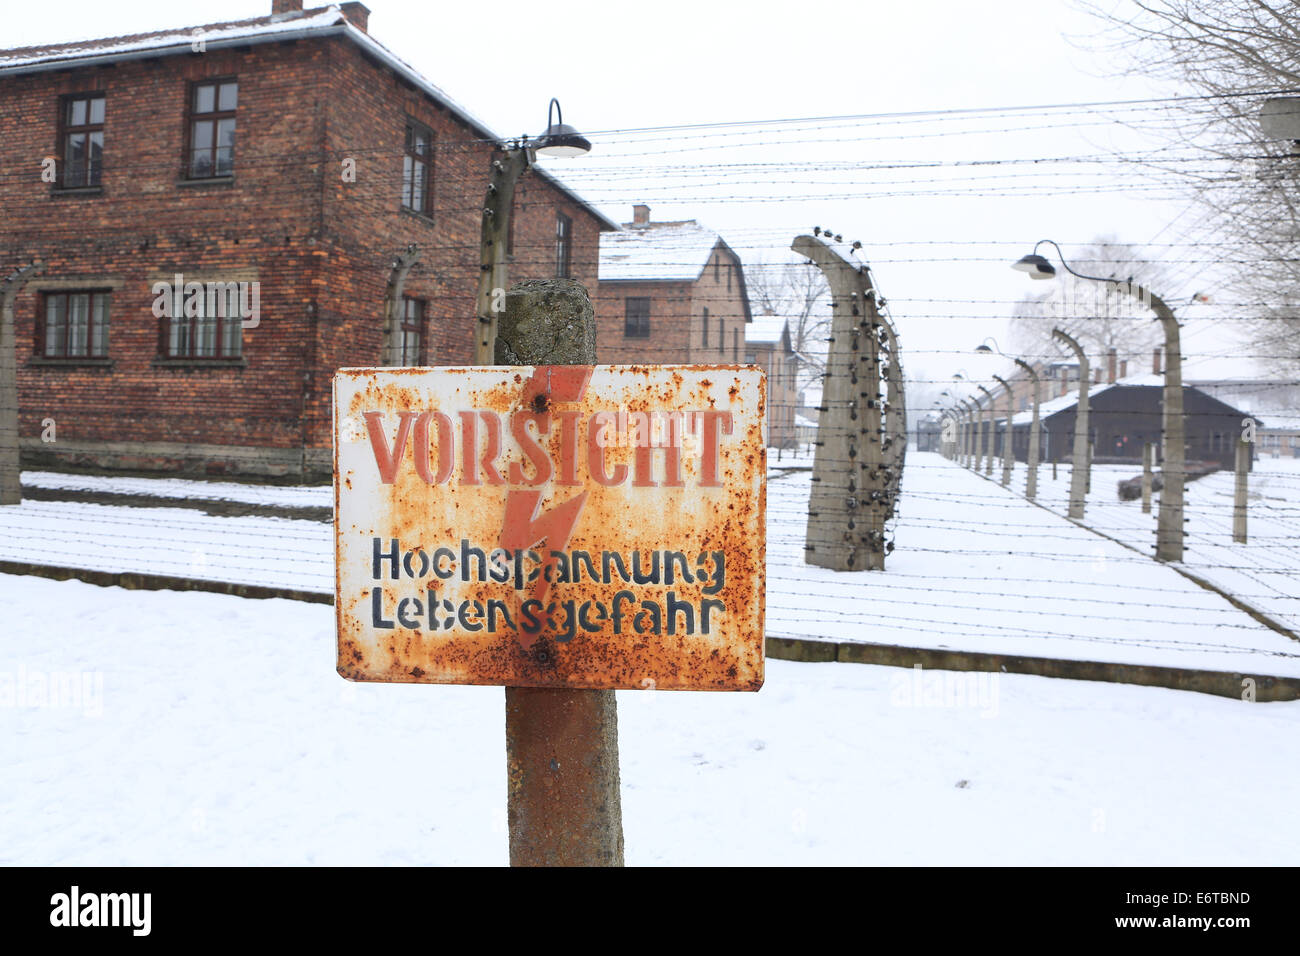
[552,526]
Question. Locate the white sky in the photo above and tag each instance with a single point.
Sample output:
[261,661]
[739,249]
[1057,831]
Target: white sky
[620,66]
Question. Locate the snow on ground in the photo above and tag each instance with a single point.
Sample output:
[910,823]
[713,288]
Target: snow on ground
[979,568]
[220,734]
[1265,571]
[976,568]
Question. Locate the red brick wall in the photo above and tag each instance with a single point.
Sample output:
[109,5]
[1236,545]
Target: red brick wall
[670,324]
[677,332]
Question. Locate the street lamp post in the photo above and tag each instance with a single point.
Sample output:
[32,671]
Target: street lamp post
[1080,459]
[975,430]
[1006,434]
[1169,523]
[987,452]
[560,139]
[963,433]
[1031,482]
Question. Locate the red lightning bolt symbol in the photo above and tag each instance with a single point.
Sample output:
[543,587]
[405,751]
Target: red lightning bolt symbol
[523,527]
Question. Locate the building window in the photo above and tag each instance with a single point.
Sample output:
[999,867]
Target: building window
[76,325]
[83,141]
[706,328]
[638,319]
[412,345]
[415,168]
[564,247]
[717,268]
[722,336]
[215,331]
[735,346]
[729,276]
[212,129]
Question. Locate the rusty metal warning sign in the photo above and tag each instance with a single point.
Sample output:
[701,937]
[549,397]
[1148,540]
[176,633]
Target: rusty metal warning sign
[553,526]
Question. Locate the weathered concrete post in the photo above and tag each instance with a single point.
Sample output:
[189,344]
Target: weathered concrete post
[894,441]
[1031,482]
[1080,459]
[1169,521]
[494,233]
[1146,478]
[1239,499]
[968,435]
[11,489]
[1006,435]
[853,485]
[986,454]
[563,802]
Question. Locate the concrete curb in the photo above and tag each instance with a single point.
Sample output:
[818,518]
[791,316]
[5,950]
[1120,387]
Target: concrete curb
[135,581]
[1219,683]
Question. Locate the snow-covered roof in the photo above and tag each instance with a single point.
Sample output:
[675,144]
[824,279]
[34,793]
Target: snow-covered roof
[1279,423]
[1061,402]
[57,55]
[657,252]
[318,22]
[766,330]
[804,422]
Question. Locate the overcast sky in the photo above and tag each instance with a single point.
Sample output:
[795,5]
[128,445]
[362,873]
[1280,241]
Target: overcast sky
[941,259]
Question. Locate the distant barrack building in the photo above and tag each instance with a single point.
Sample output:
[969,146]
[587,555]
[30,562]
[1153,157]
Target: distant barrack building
[1125,415]
[670,292]
[675,293]
[291,157]
[768,344]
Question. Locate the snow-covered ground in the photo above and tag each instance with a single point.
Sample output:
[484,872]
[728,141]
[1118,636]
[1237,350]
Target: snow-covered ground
[213,730]
[1265,571]
[976,568]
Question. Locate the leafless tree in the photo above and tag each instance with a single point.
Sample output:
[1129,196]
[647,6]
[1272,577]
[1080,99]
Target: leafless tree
[798,292]
[1092,312]
[1228,56]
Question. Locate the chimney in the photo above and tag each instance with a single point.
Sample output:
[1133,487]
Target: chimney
[1065,384]
[1111,358]
[640,215]
[358,14]
[1155,362]
[285,6]
[1096,376]
[1123,368]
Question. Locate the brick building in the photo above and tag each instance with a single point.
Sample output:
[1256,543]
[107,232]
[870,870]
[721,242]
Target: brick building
[768,345]
[292,153]
[670,292]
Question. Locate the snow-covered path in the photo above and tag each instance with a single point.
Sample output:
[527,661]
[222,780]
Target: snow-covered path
[1265,571]
[216,731]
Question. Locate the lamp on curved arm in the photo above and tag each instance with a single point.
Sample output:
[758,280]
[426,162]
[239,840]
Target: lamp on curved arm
[1169,524]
